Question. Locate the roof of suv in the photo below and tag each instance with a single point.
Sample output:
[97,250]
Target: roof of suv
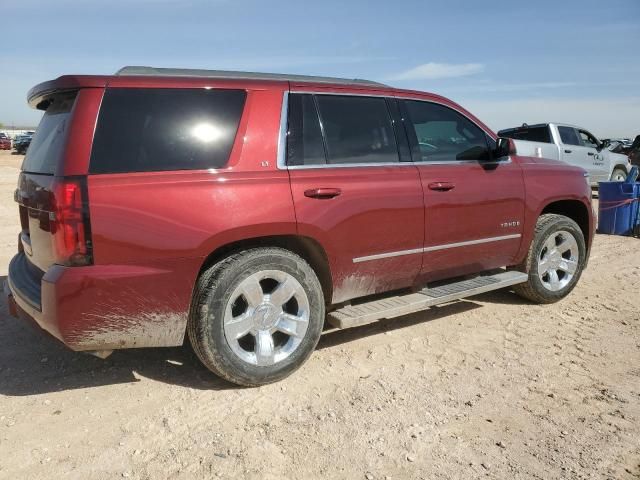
[146,75]
[138,76]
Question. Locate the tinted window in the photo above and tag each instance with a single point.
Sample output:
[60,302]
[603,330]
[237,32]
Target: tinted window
[357,129]
[569,136]
[48,142]
[304,138]
[165,129]
[442,134]
[531,134]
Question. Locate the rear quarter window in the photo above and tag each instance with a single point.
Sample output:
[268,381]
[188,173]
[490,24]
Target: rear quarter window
[142,130]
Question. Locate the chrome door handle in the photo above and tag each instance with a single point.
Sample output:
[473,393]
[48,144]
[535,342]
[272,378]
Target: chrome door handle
[322,193]
[441,186]
[567,151]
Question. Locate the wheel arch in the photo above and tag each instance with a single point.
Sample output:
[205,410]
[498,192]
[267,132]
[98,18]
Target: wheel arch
[621,167]
[306,247]
[576,211]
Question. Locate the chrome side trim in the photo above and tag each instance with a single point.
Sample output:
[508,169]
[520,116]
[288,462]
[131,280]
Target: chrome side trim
[397,164]
[396,97]
[434,248]
[282,133]
[282,144]
[387,255]
[470,242]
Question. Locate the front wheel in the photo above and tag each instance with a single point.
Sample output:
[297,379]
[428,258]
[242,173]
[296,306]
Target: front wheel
[555,261]
[257,315]
[618,175]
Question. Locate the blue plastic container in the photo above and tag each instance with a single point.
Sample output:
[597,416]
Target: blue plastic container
[618,207]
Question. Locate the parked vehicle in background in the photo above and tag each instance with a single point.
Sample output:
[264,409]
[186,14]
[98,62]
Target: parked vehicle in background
[570,144]
[634,151]
[5,142]
[239,208]
[21,143]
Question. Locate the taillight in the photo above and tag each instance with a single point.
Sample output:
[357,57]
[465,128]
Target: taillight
[69,222]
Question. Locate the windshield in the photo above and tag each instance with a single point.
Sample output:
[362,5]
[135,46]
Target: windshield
[48,141]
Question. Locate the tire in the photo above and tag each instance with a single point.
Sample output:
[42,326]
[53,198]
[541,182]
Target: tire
[618,175]
[242,291]
[545,287]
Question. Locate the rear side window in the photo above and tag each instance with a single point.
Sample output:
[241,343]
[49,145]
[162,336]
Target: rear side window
[569,136]
[142,130]
[48,142]
[531,134]
[357,129]
[304,139]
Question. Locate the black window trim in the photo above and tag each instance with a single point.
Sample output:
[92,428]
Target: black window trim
[282,149]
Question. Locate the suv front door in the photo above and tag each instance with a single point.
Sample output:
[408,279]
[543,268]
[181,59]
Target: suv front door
[474,204]
[593,158]
[352,193]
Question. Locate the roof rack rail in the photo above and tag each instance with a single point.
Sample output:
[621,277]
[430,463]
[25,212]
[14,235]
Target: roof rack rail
[227,74]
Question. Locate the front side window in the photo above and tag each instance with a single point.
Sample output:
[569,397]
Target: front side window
[588,140]
[569,136]
[357,129]
[156,129]
[442,134]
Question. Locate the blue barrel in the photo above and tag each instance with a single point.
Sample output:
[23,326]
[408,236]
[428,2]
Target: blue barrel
[618,207]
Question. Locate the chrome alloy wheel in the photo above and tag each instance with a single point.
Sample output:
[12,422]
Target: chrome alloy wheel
[558,260]
[266,317]
[618,176]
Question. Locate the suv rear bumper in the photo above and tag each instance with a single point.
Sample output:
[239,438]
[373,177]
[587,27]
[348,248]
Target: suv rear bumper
[101,306]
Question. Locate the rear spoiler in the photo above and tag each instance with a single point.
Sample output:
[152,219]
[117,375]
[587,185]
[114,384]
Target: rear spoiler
[37,96]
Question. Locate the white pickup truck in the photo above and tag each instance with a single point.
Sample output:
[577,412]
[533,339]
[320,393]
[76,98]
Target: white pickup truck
[572,145]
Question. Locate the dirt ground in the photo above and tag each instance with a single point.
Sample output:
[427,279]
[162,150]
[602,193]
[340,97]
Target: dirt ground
[488,387]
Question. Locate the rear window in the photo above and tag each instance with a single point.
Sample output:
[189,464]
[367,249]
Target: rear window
[531,134]
[48,142]
[142,130]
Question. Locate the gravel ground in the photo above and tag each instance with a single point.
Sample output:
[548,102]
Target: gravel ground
[489,387]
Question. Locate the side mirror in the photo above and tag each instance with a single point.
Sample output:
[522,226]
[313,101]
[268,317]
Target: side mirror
[504,147]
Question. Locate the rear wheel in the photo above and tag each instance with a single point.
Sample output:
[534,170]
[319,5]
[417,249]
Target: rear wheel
[618,175]
[257,316]
[555,260]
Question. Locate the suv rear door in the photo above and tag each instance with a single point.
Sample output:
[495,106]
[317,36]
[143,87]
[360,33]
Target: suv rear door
[352,192]
[474,204]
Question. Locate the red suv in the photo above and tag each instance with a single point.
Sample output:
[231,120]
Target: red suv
[5,142]
[244,210]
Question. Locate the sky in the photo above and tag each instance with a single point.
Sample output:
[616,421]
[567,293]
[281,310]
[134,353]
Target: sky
[509,62]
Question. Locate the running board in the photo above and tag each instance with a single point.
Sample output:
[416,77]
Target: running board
[355,315]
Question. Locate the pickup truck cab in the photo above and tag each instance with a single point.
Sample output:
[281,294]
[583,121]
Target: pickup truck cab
[573,145]
[245,210]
